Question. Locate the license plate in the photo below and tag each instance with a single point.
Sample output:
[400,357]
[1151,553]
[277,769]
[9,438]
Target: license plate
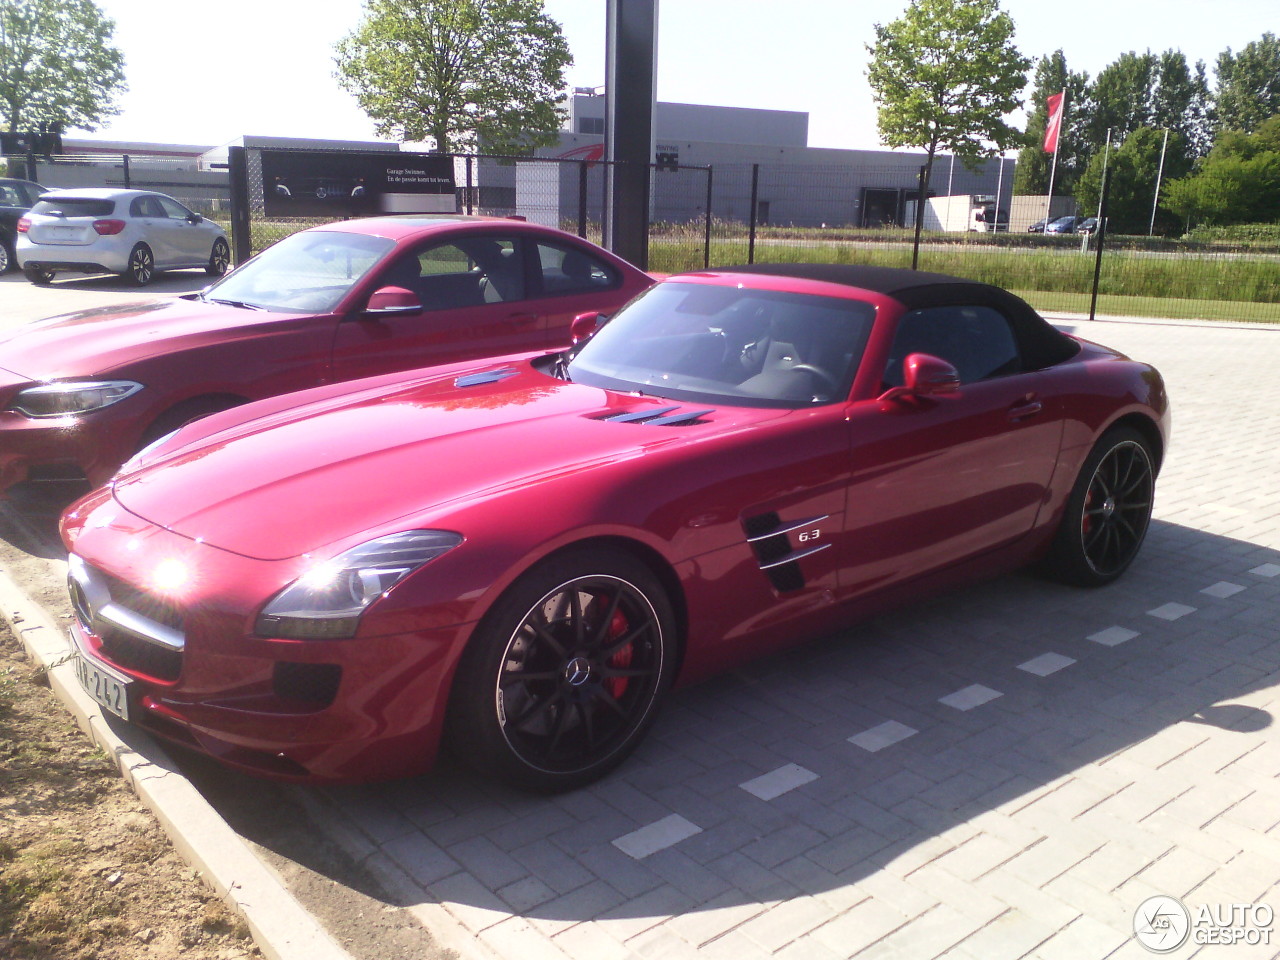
[66,233]
[109,689]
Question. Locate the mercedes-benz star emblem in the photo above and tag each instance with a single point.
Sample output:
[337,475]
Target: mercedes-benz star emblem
[577,671]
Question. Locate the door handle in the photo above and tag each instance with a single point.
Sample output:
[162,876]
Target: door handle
[1023,410]
[521,319]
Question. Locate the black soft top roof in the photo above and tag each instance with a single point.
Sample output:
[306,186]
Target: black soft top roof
[1039,342]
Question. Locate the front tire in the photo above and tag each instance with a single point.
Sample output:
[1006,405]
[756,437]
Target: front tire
[563,677]
[142,265]
[38,275]
[1108,512]
[219,258]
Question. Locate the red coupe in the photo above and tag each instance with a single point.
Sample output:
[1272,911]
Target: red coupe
[520,556]
[82,393]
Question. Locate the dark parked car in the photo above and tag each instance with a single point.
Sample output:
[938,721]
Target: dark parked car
[519,557]
[16,198]
[1063,225]
[1039,225]
[1087,225]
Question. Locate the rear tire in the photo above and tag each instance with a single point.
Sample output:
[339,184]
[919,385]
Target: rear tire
[142,265]
[7,259]
[38,275]
[219,258]
[563,677]
[1107,514]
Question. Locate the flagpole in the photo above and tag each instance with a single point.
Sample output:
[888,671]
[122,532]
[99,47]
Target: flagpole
[1159,176]
[1106,158]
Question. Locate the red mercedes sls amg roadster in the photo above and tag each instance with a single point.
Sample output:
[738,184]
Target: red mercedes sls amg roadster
[520,556]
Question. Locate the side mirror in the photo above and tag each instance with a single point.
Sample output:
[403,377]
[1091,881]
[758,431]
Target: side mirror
[583,326]
[924,375]
[196,217]
[389,301]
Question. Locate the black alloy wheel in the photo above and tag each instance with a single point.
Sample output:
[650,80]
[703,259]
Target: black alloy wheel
[142,265]
[564,677]
[219,258]
[1108,512]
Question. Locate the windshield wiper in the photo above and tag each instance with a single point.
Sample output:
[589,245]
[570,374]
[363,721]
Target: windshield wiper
[234,303]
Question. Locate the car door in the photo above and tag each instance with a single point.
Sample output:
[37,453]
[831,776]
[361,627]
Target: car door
[474,304]
[570,281]
[156,229]
[191,241]
[936,480]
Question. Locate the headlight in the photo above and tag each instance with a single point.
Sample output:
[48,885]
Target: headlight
[72,397]
[325,603]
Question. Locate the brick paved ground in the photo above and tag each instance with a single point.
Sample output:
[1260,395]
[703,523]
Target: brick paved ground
[1004,772]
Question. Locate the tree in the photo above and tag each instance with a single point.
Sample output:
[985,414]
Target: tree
[57,64]
[944,75]
[458,72]
[1239,182]
[1135,171]
[1122,97]
[1032,176]
[1248,86]
[1180,101]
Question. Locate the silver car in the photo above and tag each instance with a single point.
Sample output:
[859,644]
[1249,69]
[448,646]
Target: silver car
[130,232]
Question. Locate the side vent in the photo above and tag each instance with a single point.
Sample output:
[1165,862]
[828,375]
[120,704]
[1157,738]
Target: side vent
[658,417]
[769,537]
[488,376]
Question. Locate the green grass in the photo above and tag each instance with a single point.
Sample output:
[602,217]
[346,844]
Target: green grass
[1159,307]
[1132,283]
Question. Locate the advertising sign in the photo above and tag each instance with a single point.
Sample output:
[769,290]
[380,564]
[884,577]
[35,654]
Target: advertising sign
[298,183]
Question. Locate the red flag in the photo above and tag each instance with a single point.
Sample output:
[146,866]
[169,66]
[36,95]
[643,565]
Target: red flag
[1054,127]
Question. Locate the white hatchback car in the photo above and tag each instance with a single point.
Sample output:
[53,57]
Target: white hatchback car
[130,232]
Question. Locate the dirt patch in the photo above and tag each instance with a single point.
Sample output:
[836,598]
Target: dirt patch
[85,869]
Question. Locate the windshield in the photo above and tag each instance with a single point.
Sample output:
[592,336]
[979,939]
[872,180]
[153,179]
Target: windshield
[697,341]
[309,272]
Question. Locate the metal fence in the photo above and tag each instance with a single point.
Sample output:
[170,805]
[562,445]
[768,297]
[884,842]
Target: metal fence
[206,192]
[565,193]
[738,213]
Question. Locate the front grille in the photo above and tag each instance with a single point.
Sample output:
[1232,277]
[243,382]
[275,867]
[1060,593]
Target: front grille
[140,632]
[145,604]
[138,655]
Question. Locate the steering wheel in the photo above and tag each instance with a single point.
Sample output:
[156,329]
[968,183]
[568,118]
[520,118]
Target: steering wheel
[818,372]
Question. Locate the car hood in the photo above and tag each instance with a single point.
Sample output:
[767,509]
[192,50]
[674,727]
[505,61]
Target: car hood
[97,341]
[289,483]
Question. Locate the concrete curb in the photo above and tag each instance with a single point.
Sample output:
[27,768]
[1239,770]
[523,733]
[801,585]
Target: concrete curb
[281,927]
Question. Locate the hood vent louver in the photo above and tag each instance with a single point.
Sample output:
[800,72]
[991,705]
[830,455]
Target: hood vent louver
[488,376]
[658,417]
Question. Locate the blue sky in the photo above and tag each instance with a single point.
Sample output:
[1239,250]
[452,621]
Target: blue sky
[207,73]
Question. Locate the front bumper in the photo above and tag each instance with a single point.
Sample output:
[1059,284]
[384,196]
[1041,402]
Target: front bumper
[366,708]
[63,448]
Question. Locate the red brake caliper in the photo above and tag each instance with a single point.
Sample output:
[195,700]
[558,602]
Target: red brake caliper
[620,660]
